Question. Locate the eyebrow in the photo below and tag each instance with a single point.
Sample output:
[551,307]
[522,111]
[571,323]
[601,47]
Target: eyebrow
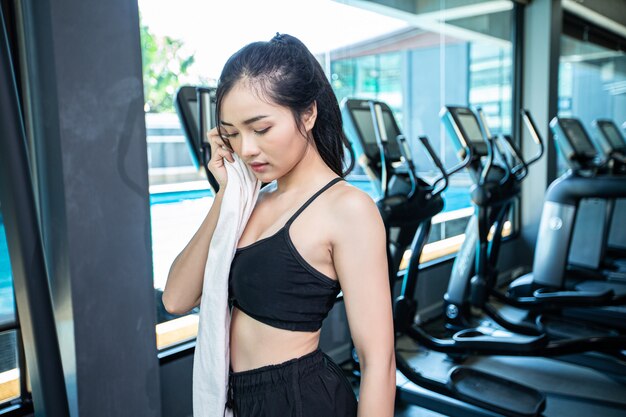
[245,122]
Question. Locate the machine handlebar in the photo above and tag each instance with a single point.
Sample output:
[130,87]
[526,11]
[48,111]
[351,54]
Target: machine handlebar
[520,170]
[380,132]
[433,157]
[381,140]
[482,123]
[534,133]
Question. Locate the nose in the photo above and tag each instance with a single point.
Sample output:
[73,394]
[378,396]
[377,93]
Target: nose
[249,146]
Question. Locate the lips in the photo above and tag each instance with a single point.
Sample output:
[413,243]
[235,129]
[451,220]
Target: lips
[258,166]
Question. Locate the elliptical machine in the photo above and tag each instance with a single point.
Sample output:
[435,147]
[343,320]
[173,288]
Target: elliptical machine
[195,106]
[494,189]
[615,149]
[598,248]
[495,186]
[406,202]
[409,203]
[450,382]
[549,277]
[540,311]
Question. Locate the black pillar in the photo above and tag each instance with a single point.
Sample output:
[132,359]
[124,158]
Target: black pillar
[542,37]
[84,101]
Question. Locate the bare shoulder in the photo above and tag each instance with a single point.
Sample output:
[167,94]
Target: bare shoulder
[346,198]
[352,208]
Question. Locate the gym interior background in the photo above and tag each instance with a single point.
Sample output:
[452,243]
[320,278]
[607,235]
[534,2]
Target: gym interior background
[116,194]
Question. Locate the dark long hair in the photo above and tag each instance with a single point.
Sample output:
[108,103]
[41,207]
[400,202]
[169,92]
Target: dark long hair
[285,72]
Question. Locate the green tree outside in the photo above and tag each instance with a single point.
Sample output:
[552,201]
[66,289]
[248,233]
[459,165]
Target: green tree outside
[163,64]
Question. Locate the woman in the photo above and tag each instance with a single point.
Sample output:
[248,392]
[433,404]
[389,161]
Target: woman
[309,235]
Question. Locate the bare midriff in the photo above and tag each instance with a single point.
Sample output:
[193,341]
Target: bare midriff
[254,344]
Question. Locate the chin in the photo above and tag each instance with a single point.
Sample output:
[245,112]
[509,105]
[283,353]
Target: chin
[270,175]
[264,177]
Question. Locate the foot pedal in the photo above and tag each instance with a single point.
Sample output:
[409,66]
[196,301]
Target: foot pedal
[496,394]
[617,276]
[562,328]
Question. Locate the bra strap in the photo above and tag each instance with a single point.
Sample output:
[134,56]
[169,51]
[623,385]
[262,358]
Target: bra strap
[310,200]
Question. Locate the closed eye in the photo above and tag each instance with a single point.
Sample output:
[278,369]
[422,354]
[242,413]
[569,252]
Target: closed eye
[261,132]
[228,135]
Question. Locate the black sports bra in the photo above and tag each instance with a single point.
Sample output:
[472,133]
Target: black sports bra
[272,283]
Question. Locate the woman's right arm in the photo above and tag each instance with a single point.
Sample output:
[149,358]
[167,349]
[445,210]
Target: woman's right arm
[184,282]
[183,288]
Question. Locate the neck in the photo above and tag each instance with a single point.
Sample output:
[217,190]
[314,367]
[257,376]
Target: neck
[309,172]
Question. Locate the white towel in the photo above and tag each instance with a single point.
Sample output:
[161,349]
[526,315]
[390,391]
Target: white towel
[212,355]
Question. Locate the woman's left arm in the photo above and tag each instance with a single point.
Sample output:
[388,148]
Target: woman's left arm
[360,260]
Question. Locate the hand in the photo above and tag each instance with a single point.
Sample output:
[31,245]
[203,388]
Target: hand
[219,152]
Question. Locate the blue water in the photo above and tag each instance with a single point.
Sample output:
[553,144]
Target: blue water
[6,280]
[454,197]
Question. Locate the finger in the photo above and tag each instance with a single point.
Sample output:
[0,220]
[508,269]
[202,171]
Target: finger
[220,143]
[214,138]
[228,155]
[223,153]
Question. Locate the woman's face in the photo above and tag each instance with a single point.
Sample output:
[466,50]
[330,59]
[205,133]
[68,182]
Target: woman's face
[263,134]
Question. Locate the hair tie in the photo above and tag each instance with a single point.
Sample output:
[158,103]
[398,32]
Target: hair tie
[278,38]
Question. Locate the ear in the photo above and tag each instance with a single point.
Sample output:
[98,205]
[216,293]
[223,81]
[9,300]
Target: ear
[309,116]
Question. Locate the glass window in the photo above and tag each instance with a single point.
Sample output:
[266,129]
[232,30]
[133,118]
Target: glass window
[7,300]
[416,61]
[180,48]
[444,55]
[9,370]
[592,84]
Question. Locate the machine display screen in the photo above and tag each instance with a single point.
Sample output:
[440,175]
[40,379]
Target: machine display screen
[365,125]
[577,137]
[187,108]
[471,128]
[193,106]
[613,136]
[193,109]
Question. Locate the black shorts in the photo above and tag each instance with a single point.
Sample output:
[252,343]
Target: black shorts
[308,386]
